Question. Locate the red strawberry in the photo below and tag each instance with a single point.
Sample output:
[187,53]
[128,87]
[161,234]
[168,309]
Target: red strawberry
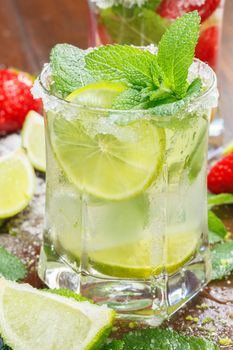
[208,45]
[175,8]
[15,99]
[220,177]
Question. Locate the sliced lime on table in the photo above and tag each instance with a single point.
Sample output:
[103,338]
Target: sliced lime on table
[33,139]
[103,163]
[33,319]
[145,258]
[17,183]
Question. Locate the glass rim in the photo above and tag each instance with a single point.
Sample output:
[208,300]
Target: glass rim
[210,87]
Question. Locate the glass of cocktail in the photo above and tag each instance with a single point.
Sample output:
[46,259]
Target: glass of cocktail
[126,218]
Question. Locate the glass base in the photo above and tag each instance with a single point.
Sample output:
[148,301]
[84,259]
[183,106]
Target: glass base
[149,301]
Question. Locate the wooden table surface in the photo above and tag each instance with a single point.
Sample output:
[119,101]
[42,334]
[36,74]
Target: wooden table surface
[29,29]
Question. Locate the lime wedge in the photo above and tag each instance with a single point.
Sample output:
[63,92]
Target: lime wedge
[17,183]
[33,319]
[98,95]
[145,258]
[33,139]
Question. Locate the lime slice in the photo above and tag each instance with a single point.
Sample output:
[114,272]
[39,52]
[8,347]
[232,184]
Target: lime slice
[104,165]
[98,95]
[17,183]
[33,319]
[33,139]
[145,258]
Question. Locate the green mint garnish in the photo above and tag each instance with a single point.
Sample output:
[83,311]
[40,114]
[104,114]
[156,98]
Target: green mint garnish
[68,294]
[222,260]
[217,230]
[157,83]
[126,64]
[220,199]
[158,339]
[11,267]
[68,67]
[176,51]
[113,345]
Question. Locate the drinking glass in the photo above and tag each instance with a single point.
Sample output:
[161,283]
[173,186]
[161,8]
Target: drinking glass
[126,202]
[124,22]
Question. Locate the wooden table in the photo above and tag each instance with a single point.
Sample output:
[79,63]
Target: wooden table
[28,30]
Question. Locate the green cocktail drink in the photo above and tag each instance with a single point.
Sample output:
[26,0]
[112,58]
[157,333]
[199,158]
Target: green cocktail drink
[126,218]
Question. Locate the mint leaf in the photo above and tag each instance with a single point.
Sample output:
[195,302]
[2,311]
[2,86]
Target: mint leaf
[129,99]
[68,294]
[113,345]
[217,230]
[137,26]
[158,339]
[176,51]
[11,267]
[166,108]
[222,260]
[129,65]
[219,199]
[68,68]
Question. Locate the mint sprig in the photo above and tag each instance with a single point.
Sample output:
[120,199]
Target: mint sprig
[11,267]
[158,339]
[176,51]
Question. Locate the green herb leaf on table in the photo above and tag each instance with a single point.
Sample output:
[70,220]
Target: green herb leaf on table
[68,67]
[113,345]
[176,51]
[217,230]
[134,26]
[222,260]
[158,339]
[220,199]
[11,267]
[127,64]
[68,294]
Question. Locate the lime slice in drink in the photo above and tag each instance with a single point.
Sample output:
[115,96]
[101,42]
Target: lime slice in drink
[17,183]
[33,319]
[145,258]
[97,95]
[33,139]
[113,164]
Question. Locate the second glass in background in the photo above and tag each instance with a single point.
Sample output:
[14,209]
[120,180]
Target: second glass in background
[143,22]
